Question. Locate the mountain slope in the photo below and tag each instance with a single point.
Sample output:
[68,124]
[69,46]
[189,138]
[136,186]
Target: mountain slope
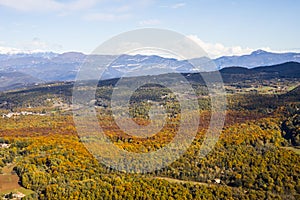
[13,80]
[257,58]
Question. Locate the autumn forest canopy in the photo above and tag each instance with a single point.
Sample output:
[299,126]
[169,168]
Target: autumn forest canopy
[256,156]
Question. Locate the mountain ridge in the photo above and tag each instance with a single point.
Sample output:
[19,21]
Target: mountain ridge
[289,70]
[49,67]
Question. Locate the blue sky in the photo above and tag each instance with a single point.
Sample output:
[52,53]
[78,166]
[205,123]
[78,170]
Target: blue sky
[221,27]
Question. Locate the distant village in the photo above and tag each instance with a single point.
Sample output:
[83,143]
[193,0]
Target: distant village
[14,114]
[4,145]
[16,196]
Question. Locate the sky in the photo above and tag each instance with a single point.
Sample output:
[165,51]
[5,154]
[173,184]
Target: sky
[221,27]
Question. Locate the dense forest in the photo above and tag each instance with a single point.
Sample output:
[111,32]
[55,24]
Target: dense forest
[256,156]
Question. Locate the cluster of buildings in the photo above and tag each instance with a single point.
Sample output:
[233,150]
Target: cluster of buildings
[4,145]
[14,114]
[17,196]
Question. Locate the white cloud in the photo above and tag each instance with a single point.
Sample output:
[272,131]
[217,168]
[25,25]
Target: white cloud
[178,5]
[150,22]
[106,17]
[32,5]
[217,49]
[33,46]
[48,5]
[9,50]
[36,44]
[124,8]
[268,49]
[174,6]
[12,50]
[81,4]
[92,10]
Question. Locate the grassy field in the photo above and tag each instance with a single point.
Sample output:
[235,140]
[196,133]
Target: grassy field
[20,189]
[173,180]
[10,182]
[294,149]
[8,169]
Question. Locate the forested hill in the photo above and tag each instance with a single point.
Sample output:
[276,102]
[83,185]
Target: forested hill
[285,70]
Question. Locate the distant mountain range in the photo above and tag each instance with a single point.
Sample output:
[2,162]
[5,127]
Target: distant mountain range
[257,58]
[231,75]
[17,70]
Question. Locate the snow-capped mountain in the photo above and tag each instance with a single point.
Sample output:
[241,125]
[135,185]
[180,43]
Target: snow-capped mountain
[139,65]
[257,58]
[64,67]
